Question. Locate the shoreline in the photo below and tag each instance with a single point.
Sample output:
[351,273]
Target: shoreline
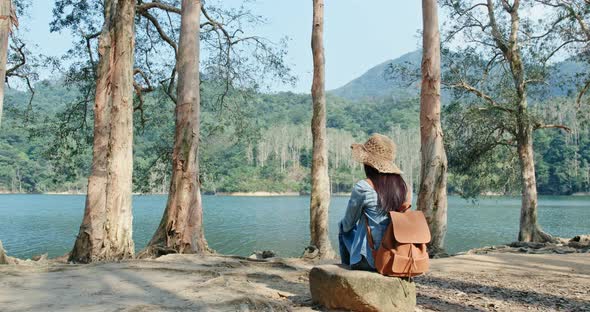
[579,244]
[233,194]
[279,194]
[257,194]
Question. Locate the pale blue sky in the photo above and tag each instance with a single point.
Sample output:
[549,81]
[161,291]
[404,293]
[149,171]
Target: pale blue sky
[358,34]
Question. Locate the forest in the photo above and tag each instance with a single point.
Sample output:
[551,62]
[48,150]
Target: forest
[268,148]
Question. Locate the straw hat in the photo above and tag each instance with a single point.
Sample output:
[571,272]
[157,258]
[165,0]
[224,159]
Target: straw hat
[378,152]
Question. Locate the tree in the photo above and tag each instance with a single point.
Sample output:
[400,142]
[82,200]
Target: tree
[432,195]
[498,68]
[569,28]
[181,228]
[235,63]
[106,230]
[7,20]
[320,183]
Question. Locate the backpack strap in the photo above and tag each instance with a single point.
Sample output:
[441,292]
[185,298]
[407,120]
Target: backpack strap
[369,235]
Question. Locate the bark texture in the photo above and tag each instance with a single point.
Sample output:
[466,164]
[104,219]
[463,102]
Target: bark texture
[432,195]
[7,20]
[320,182]
[530,231]
[181,228]
[106,230]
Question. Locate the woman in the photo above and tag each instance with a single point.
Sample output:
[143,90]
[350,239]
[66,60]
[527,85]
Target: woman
[383,191]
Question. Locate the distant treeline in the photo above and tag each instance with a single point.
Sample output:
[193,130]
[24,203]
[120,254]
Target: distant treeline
[266,146]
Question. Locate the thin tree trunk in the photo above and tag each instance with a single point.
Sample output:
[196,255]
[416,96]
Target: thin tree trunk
[7,19]
[320,184]
[106,230]
[432,195]
[181,228]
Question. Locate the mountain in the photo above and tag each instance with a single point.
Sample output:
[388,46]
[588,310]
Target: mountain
[379,82]
[566,76]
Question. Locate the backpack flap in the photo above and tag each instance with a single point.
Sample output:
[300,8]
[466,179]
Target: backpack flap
[410,227]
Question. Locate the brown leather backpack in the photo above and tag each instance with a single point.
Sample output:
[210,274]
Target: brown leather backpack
[402,252]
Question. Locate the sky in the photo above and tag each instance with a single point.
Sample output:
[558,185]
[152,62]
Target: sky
[358,34]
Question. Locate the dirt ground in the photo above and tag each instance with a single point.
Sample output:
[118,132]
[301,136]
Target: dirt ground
[507,282]
[492,282]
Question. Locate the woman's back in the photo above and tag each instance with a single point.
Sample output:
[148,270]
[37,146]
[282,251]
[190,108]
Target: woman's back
[372,199]
[363,206]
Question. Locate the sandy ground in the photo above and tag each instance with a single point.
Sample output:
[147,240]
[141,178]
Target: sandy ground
[507,282]
[493,282]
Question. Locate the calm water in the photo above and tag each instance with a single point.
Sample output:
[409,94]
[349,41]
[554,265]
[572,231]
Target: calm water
[36,224]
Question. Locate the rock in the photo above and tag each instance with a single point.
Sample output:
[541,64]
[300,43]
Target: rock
[563,250]
[268,254]
[265,254]
[311,253]
[529,245]
[581,239]
[337,287]
[580,242]
[3,258]
[42,257]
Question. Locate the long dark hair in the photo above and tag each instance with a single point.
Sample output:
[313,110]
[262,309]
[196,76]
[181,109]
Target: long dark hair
[390,188]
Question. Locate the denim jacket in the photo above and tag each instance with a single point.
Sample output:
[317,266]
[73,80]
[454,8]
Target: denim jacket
[363,204]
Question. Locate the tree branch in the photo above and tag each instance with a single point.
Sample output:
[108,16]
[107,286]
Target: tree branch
[491,102]
[161,31]
[582,93]
[157,5]
[496,34]
[23,60]
[551,126]
[143,75]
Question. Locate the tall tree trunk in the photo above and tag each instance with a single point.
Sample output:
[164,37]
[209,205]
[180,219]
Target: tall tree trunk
[320,184]
[529,227]
[7,19]
[530,231]
[106,230]
[432,195]
[181,228]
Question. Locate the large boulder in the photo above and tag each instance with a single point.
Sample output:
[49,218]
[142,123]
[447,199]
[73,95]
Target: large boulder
[337,287]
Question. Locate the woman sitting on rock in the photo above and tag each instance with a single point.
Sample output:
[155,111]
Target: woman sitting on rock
[372,199]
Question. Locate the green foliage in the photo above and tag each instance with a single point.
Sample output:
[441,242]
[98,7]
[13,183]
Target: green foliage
[573,158]
[262,142]
[53,150]
[482,159]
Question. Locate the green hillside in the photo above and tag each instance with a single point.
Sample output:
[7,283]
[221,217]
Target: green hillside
[390,79]
[261,142]
[378,81]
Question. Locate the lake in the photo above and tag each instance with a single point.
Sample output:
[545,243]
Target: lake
[37,224]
